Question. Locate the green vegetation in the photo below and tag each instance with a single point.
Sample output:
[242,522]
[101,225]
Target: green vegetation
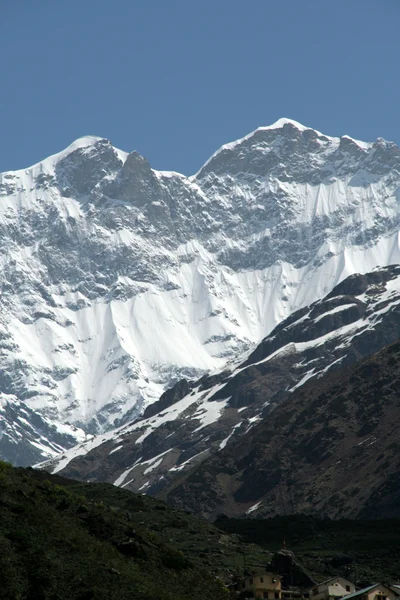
[205,545]
[65,540]
[56,543]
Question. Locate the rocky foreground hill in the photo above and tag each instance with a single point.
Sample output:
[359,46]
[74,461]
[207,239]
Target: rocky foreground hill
[66,540]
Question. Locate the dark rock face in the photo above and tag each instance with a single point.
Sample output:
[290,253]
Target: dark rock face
[169,397]
[80,171]
[136,182]
[306,324]
[287,154]
[20,423]
[330,449]
[293,573]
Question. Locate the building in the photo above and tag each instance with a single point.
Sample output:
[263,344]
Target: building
[377,591]
[269,585]
[263,585]
[332,589]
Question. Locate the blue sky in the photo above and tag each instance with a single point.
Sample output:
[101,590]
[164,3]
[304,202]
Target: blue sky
[175,79]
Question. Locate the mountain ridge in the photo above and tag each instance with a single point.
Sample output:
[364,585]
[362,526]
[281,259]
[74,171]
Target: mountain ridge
[196,420]
[105,261]
[330,449]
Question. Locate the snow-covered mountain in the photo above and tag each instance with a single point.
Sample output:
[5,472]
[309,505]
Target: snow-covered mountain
[118,280]
[197,420]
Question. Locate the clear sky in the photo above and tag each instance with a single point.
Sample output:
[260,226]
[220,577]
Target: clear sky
[175,79]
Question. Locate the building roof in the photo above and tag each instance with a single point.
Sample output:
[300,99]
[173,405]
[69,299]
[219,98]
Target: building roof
[363,591]
[263,573]
[368,589]
[258,574]
[333,579]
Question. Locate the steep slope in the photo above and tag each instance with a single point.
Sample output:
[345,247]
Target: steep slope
[118,280]
[330,449]
[194,420]
[60,545]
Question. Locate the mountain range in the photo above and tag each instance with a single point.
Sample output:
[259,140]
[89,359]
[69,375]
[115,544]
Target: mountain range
[134,301]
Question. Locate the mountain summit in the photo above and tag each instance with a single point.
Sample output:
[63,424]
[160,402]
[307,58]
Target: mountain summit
[118,280]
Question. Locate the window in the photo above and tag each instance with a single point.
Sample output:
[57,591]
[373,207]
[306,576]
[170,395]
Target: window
[273,580]
[347,588]
[251,581]
[261,579]
[315,591]
[276,595]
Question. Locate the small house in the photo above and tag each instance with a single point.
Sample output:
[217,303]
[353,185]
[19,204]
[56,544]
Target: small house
[263,585]
[332,589]
[377,591]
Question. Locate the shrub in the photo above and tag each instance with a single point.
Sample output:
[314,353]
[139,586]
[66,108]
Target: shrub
[175,559]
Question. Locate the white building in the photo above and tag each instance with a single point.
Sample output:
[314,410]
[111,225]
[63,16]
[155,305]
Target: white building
[332,589]
[377,591]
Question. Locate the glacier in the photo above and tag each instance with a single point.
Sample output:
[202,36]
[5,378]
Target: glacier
[118,280]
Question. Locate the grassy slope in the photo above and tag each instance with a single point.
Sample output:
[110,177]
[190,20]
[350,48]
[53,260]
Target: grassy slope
[55,544]
[66,540]
[205,545]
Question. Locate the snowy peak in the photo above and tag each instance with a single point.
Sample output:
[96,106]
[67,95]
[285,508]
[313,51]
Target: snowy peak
[73,172]
[292,151]
[118,280]
[48,164]
[79,171]
[267,142]
[280,123]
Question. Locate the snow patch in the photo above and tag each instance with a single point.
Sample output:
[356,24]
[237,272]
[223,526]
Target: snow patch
[253,508]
